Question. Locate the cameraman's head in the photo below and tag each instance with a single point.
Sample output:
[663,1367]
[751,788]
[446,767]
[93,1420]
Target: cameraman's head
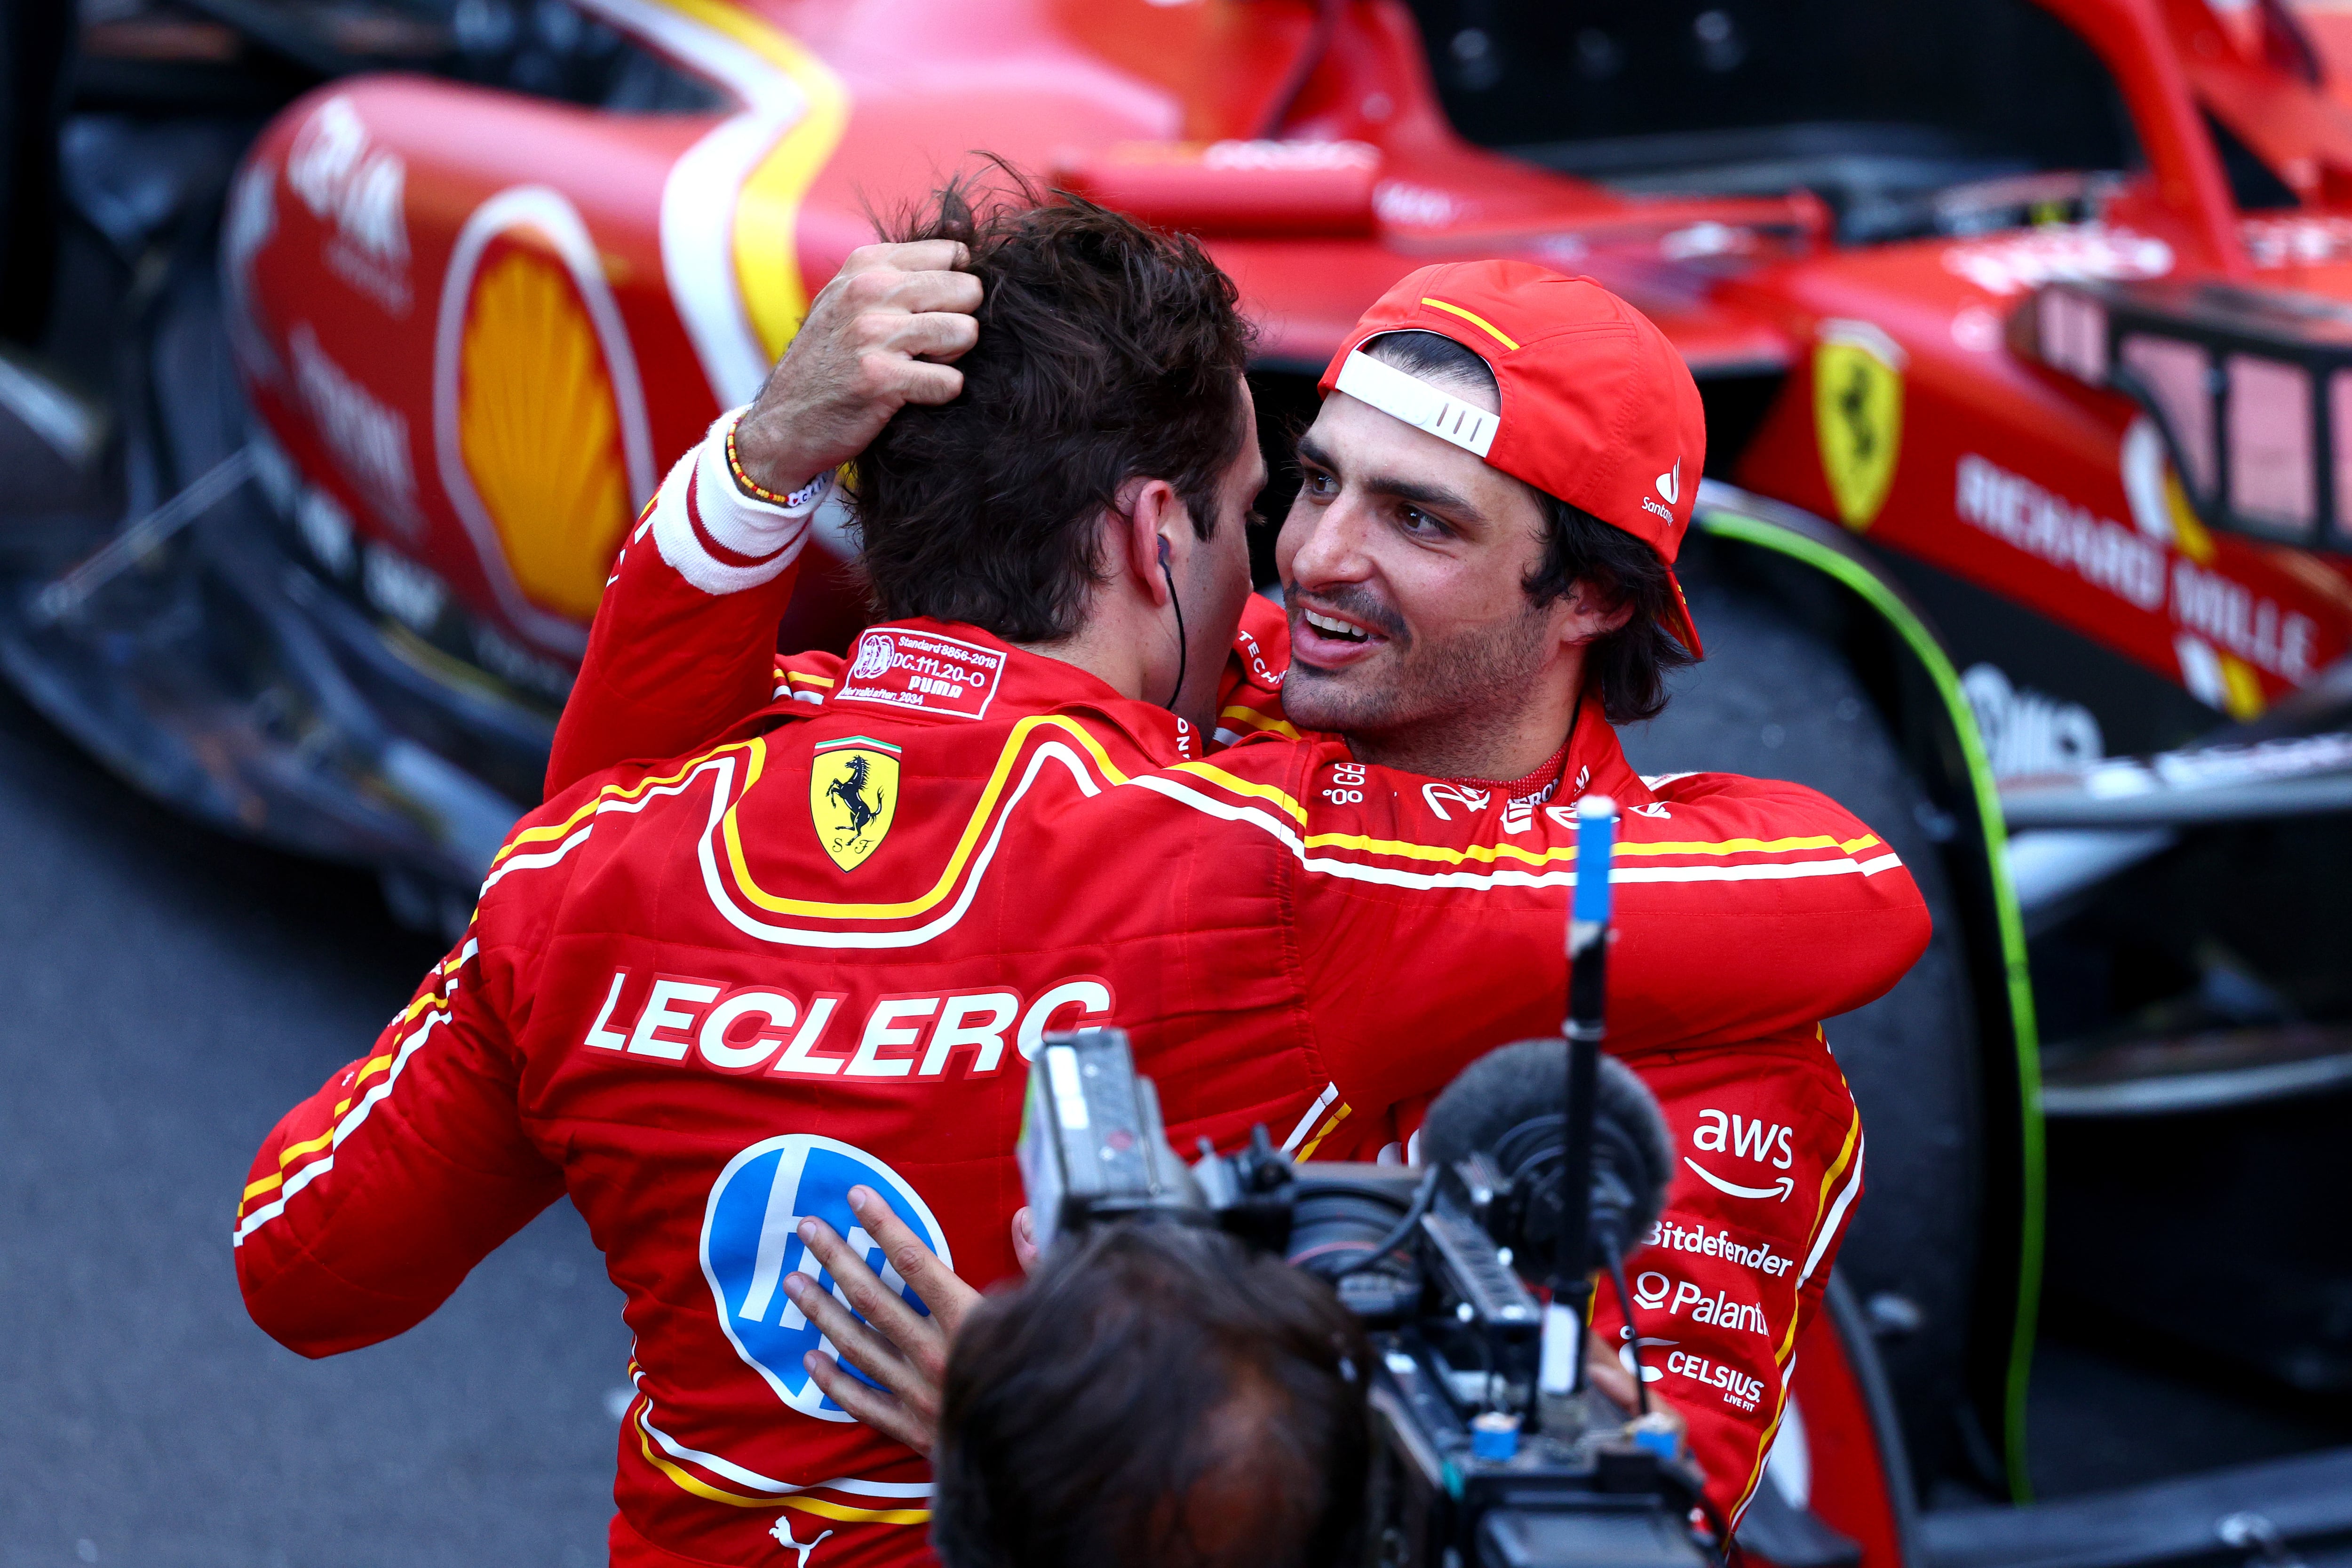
[1157,1396]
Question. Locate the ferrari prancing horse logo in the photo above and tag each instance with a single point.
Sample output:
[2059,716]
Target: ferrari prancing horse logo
[1858,415]
[853,797]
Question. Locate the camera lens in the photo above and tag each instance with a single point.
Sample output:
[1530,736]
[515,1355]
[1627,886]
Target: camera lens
[1334,1231]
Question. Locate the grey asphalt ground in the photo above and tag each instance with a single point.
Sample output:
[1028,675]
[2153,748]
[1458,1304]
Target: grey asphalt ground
[167,995]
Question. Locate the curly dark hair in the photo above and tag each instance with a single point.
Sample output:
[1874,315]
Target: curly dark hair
[1628,667]
[1155,1396]
[1108,352]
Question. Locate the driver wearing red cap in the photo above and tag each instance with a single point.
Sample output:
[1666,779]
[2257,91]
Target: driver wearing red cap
[1478,584]
[1527,375]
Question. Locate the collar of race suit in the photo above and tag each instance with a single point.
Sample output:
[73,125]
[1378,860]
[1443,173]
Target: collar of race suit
[1539,785]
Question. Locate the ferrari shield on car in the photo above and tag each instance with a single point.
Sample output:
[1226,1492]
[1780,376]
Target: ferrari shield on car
[2024,329]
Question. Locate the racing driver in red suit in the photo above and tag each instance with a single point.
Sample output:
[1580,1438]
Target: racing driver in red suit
[708,997]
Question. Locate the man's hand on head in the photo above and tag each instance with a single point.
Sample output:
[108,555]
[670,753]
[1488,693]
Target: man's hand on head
[882,335]
[897,1346]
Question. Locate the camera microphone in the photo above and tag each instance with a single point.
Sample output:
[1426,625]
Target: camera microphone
[1509,1106]
[1564,1151]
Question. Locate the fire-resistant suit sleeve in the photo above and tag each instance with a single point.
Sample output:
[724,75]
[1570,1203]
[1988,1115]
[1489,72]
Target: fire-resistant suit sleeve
[685,638]
[373,1199]
[1745,908]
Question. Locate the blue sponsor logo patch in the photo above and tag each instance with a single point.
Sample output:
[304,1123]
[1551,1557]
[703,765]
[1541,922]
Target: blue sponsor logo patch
[751,1242]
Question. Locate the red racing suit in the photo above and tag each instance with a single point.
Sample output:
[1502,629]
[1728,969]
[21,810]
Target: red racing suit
[705,996]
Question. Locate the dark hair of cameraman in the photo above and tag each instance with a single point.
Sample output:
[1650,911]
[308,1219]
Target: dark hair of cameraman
[1158,1396]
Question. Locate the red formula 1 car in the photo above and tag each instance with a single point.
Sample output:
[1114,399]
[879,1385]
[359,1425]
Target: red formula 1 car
[2025,328]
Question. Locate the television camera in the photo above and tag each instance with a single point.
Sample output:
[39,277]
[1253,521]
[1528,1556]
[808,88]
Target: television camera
[1543,1162]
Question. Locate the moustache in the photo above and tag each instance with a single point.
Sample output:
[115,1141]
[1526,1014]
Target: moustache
[1357,603]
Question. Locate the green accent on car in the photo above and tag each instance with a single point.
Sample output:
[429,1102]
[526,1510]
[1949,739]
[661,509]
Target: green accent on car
[1854,576]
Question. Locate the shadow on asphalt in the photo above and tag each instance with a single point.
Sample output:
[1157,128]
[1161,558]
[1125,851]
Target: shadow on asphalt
[170,994]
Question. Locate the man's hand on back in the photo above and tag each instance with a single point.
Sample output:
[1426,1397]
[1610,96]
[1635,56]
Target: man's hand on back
[897,1346]
[879,336]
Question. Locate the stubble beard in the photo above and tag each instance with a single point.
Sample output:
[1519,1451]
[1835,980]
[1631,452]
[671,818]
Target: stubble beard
[1439,708]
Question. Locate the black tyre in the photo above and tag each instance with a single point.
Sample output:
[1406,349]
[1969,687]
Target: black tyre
[1774,699]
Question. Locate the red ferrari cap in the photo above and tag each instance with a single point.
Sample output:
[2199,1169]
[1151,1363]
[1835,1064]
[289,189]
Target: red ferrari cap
[1598,409]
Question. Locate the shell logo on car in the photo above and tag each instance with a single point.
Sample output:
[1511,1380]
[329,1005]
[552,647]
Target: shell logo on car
[539,429]
[539,415]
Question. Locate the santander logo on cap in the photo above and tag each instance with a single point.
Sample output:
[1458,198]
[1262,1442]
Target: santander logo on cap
[1670,486]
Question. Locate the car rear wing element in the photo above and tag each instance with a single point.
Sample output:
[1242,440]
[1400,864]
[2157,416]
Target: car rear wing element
[2252,389]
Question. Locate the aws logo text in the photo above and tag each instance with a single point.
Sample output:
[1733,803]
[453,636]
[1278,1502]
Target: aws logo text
[761,1029]
[1745,1139]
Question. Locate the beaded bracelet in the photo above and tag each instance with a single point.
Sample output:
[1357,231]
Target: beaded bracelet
[758,491]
